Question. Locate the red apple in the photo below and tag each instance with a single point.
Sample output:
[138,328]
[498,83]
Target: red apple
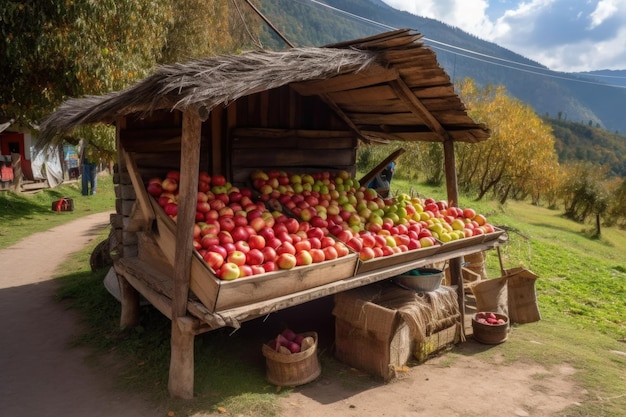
[242,246]
[225,237]
[327,241]
[226,223]
[330,253]
[292,225]
[171,209]
[304,257]
[245,271]
[414,244]
[269,254]
[218,249]
[270,266]
[315,243]
[256,242]
[286,247]
[240,233]
[236,257]
[209,240]
[356,243]
[229,271]
[154,189]
[286,261]
[368,240]
[218,180]
[317,255]
[366,254]
[230,247]
[302,245]
[342,249]
[254,257]
[273,242]
[204,176]
[257,223]
[169,185]
[214,260]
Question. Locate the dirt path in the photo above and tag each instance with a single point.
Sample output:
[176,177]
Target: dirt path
[41,376]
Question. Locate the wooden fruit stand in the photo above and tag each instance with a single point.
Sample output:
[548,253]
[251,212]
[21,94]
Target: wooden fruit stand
[303,110]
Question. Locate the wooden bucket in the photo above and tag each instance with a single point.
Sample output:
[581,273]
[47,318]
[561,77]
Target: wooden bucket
[290,370]
[491,334]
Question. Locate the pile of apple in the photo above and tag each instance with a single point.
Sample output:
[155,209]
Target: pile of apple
[238,236]
[369,224]
[488,318]
[289,342]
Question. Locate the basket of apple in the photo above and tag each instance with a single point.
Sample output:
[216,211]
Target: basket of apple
[291,358]
[490,328]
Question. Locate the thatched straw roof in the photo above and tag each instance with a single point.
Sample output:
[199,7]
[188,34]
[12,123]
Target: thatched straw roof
[388,87]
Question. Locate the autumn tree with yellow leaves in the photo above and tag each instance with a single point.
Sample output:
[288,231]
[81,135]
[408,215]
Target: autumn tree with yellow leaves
[518,161]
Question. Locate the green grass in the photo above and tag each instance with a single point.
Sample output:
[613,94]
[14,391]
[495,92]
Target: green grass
[24,214]
[581,293]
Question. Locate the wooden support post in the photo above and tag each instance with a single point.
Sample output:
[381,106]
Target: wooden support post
[181,361]
[16,164]
[130,304]
[456,273]
[181,374]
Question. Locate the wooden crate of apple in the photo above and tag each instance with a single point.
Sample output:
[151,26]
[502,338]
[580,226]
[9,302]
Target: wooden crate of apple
[238,236]
[372,226]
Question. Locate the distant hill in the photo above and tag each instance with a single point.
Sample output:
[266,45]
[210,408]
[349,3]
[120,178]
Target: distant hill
[586,98]
[579,142]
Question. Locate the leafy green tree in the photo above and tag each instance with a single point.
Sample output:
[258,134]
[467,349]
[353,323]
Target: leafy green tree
[585,192]
[55,49]
[51,50]
[617,205]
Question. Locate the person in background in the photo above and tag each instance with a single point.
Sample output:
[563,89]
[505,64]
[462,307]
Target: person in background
[89,168]
[382,181]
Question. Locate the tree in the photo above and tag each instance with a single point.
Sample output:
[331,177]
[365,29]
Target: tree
[518,160]
[63,48]
[617,204]
[585,192]
[55,49]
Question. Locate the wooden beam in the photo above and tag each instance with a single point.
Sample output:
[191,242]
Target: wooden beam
[141,197]
[342,115]
[185,220]
[405,94]
[455,264]
[373,75]
[181,373]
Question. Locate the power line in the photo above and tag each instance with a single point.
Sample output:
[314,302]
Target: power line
[547,73]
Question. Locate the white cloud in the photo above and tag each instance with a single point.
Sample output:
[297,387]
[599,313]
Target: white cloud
[604,10]
[564,35]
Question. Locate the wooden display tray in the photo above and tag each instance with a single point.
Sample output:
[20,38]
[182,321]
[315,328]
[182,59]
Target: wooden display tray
[470,241]
[216,294]
[396,258]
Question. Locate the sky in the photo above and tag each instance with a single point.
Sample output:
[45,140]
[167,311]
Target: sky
[563,35]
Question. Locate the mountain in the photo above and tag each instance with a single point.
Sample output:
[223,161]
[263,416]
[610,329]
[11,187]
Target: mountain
[590,98]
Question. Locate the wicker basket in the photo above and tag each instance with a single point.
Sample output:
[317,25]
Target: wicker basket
[290,370]
[491,334]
